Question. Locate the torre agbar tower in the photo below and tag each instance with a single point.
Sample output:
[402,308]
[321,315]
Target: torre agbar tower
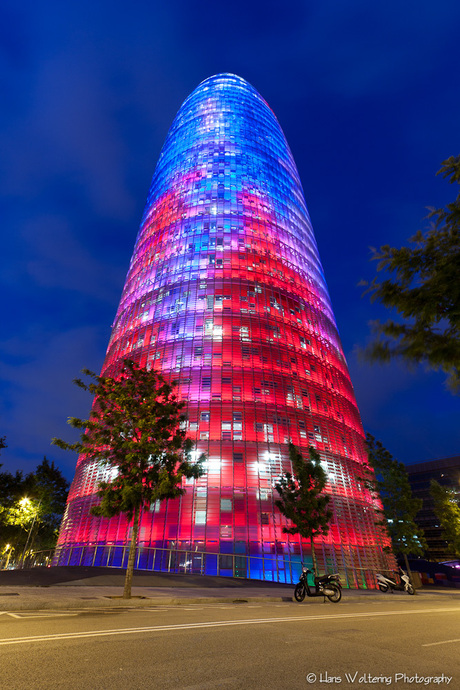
[225,294]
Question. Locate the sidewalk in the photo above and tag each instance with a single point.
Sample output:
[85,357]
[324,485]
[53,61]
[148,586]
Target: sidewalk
[89,588]
[87,597]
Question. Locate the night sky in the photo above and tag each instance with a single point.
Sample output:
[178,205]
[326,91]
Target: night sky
[368,97]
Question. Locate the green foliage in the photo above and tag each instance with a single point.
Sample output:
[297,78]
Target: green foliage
[447,509]
[301,500]
[10,492]
[135,429]
[24,513]
[48,488]
[33,503]
[399,507]
[10,488]
[425,290]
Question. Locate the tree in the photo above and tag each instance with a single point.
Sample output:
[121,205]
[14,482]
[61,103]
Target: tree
[25,514]
[135,428]
[424,289]
[447,509]
[49,488]
[10,493]
[10,487]
[31,507]
[301,500]
[6,481]
[399,507]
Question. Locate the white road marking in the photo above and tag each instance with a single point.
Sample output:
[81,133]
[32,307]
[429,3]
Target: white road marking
[145,610]
[433,644]
[36,614]
[212,624]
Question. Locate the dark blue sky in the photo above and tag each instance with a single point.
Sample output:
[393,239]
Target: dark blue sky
[368,97]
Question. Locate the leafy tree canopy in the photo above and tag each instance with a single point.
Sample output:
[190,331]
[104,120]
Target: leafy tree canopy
[447,509]
[36,501]
[10,487]
[10,492]
[301,499]
[24,512]
[48,488]
[136,429]
[399,506]
[425,290]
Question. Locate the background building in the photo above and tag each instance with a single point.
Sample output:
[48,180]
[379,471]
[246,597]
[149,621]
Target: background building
[226,294]
[446,472]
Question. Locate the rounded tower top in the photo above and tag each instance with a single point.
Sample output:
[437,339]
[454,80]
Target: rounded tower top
[225,142]
[227,80]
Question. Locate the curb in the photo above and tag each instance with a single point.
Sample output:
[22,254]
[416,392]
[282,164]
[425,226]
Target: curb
[15,600]
[13,603]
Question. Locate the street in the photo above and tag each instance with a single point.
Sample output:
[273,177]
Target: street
[394,641]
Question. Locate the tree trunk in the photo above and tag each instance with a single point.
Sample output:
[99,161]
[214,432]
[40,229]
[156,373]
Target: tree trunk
[313,557]
[132,553]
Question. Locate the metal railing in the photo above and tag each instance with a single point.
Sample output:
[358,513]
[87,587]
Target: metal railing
[267,567]
[33,559]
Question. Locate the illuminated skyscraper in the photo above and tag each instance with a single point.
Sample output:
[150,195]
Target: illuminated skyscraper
[226,294]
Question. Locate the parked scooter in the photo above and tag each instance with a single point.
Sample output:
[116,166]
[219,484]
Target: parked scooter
[405,585]
[325,586]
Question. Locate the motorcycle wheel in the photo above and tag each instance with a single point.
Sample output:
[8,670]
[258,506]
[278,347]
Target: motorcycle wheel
[336,597]
[299,592]
[383,588]
[410,589]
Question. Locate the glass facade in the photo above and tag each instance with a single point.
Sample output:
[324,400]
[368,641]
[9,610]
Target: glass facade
[226,295]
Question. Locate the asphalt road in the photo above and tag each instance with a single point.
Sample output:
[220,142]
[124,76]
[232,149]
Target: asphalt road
[399,642]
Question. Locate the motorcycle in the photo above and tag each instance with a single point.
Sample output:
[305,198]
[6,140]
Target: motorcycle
[405,585]
[325,586]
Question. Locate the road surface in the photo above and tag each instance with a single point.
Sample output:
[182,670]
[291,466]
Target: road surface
[399,642]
